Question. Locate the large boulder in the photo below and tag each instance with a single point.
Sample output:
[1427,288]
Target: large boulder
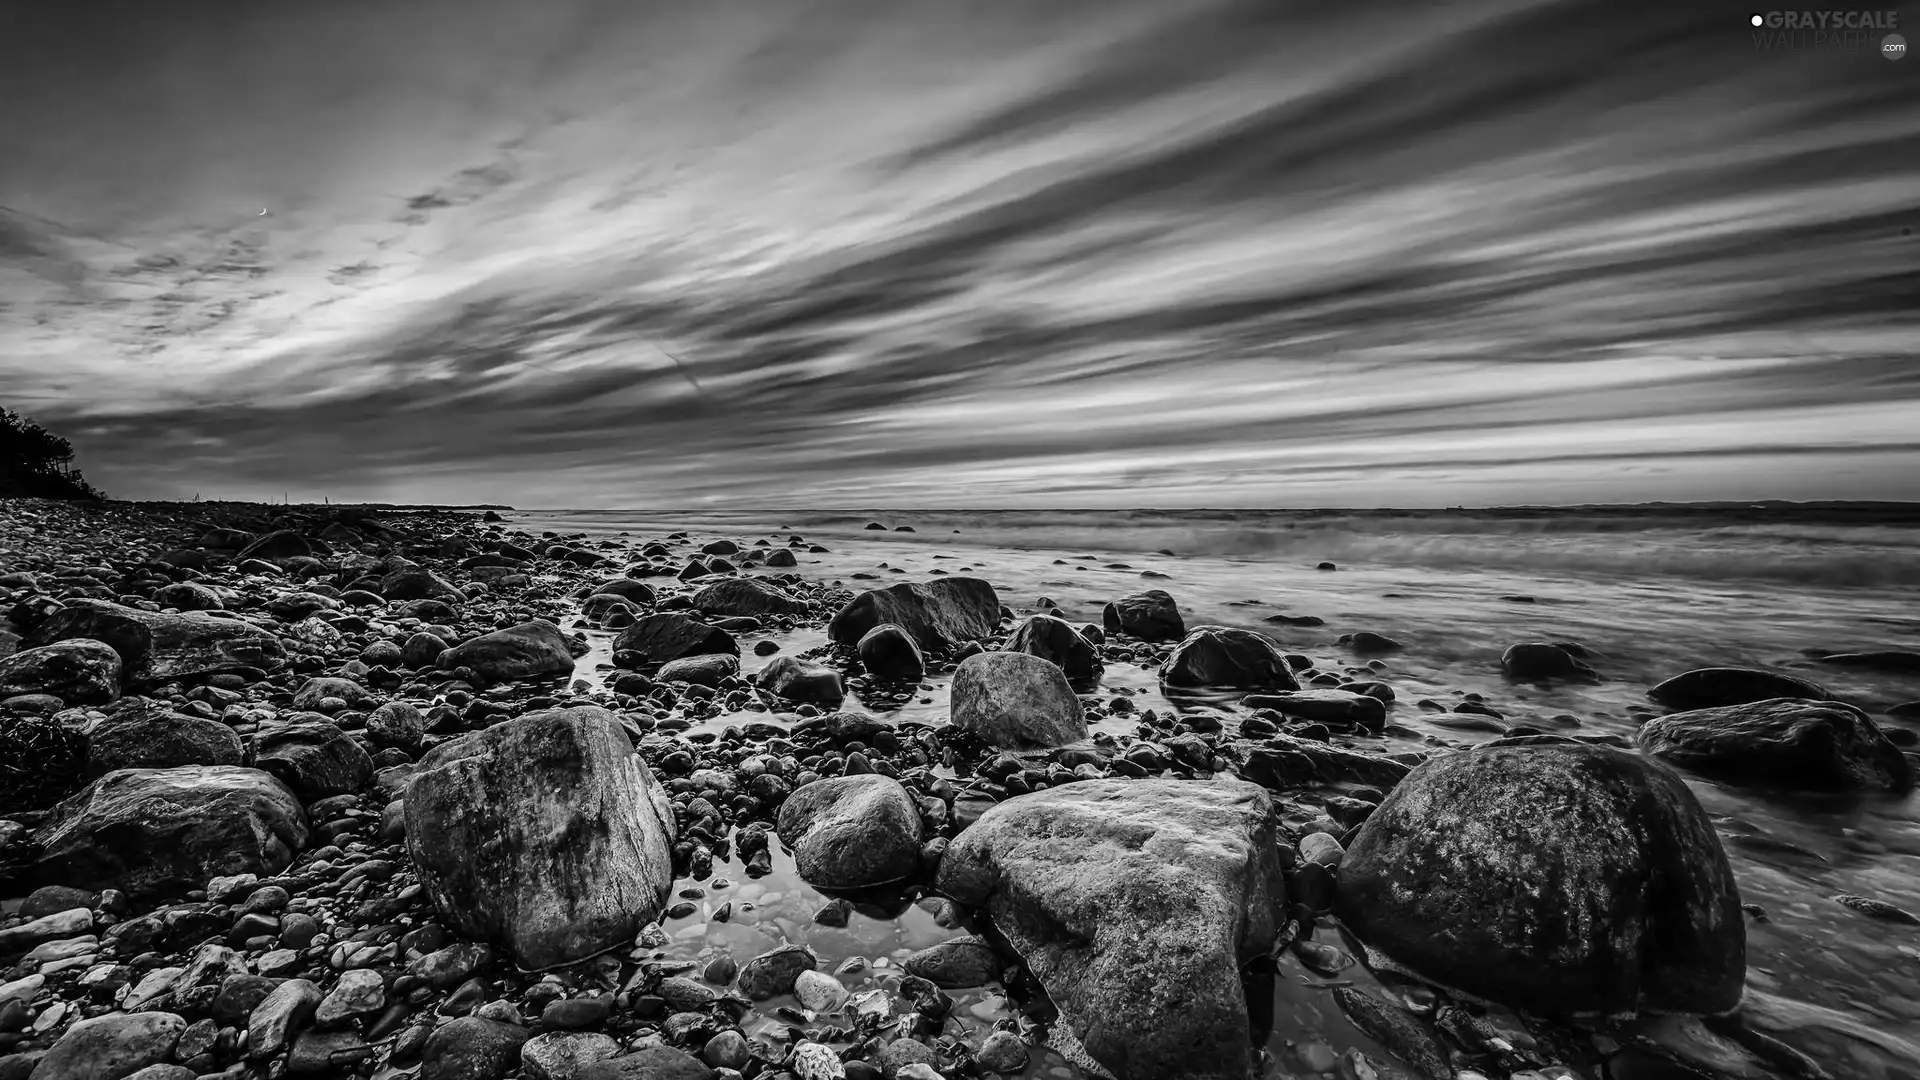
[1559,876]
[888,653]
[1015,700]
[414,582]
[802,682]
[1222,657]
[155,831]
[939,614]
[1136,903]
[312,756]
[78,671]
[669,635]
[851,832]
[1150,616]
[546,834]
[1710,688]
[1816,745]
[147,735]
[163,646]
[528,650]
[745,596]
[1055,639]
[111,1046]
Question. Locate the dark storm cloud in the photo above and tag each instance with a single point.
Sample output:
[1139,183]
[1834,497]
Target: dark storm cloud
[1245,252]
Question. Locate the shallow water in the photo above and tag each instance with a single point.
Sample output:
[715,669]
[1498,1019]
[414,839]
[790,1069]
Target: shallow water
[1649,599]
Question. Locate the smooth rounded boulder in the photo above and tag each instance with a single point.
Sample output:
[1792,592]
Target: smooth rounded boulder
[1015,700]
[1563,877]
[939,614]
[1536,660]
[312,756]
[888,653]
[852,832]
[1136,903]
[528,650]
[1791,742]
[161,646]
[79,671]
[111,1046]
[1149,616]
[1221,657]
[154,831]
[1714,687]
[1054,639]
[546,834]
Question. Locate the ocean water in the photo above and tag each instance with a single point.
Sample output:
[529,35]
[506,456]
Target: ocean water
[1649,594]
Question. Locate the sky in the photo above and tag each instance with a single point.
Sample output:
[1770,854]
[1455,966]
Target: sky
[965,253]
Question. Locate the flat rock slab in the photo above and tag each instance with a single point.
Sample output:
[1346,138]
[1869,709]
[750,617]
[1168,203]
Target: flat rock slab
[526,651]
[1812,745]
[1135,903]
[1711,688]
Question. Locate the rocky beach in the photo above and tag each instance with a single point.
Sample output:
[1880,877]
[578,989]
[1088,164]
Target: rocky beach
[326,791]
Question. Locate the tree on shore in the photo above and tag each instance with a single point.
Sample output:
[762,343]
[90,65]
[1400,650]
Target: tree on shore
[35,463]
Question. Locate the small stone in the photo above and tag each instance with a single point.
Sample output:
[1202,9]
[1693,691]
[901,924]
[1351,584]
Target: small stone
[1003,1052]
[818,991]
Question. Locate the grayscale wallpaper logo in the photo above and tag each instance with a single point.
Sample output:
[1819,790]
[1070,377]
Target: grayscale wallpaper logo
[1830,31]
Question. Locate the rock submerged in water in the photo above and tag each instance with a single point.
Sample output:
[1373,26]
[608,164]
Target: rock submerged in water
[156,646]
[668,635]
[1136,903]
[1564,877]
[528,650]
[1543,660]
[154,831]
[802,682]
[546,834]
[745,596]
[852,832]
[939,614]
[1015,700]
[1710,688]
[1225,658]
[1150,616]
[1815,745]
[888,653]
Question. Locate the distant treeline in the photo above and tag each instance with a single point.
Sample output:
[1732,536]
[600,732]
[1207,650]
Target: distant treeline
[35,463]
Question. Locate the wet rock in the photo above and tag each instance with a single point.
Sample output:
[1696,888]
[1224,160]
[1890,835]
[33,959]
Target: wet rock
[359,991]
[111,1047]
[546,834]
[280,1017]
[526,651]
[314,692]
[938,614]
[279,544]
[397,723]
[1395,1029]
[1563,876]
[1055,640]
[746,596]
[1326,706]
[819,992]
[1015,700]
[1542,660]
[312,757]
[1816,745]
[890,654]
[773,973]
[158,647]
[1220,656]
[852,832]
[1002,1052]
[668,635]
[149,736]
[79,671]
[956,965]
[413,582]
[1366,641]
[707,670]
[473,1048]
[1715,687]
[1150,616]
[802,682]
[1888,661]
[1283,762]
[561,1055]
[152,831]
[1135,903]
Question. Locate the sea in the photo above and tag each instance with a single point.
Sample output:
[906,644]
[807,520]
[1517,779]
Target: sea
[1648,592]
